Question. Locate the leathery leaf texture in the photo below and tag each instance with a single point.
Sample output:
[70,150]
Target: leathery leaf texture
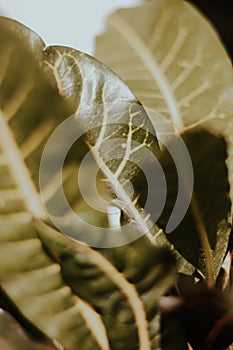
[174,62]
[69,291]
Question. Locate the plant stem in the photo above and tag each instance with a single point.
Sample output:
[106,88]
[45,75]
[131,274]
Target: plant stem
[204,241]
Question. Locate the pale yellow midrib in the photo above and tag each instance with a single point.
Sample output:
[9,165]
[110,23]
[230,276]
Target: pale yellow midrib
[143,225]
[103,264]
[94,323]
[129,291]
[19,170]
[143,52]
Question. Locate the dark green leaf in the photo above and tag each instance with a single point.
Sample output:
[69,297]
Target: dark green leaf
[187,77]
[211,190]
[31,260]
[123,285]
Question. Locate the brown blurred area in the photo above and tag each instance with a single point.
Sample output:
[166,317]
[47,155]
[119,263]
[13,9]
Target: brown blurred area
[13,337]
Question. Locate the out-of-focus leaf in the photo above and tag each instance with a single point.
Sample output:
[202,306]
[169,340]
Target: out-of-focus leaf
[122,284]
[182,73]
[118,132]
[33,272]
[13,337]
[211,324]
[171,327]
[220,15]
[208,154]
[30,109]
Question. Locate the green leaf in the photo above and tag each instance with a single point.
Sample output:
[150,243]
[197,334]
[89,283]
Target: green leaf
[114,282]
[118,132]
[211,206]
[183,74]
[30,109]
[58,62]
[34,257]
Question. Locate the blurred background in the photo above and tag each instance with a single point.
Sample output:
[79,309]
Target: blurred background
[220,14]
[75,23]
[72,22]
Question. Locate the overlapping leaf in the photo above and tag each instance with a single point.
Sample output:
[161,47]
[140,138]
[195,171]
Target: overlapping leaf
[182,73]
[212,204]
[175,64]
[115,283]
[28,275]
[118,131]
[31,258]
